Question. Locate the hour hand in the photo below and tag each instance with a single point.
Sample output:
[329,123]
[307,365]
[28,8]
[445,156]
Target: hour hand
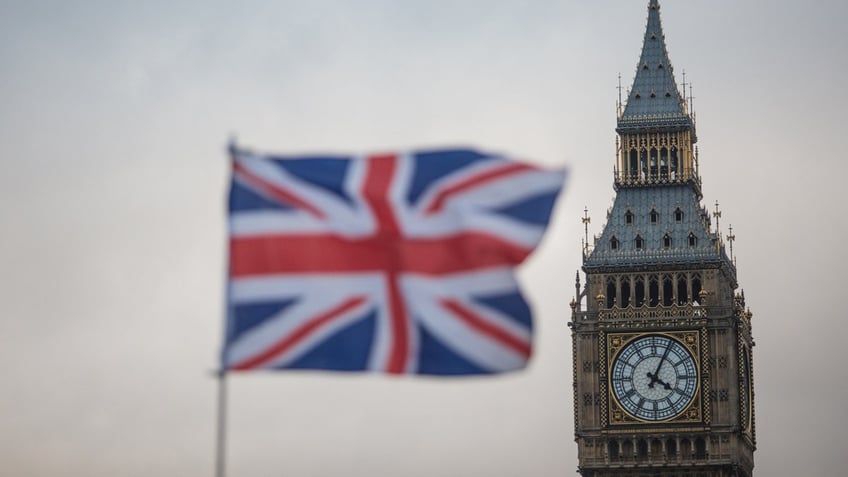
[654,379]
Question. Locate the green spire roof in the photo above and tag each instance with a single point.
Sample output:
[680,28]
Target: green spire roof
[654,100]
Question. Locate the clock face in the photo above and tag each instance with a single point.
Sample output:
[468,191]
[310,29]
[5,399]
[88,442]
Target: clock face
[654,378]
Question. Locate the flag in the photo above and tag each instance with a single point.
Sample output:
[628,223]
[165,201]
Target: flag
[398,263]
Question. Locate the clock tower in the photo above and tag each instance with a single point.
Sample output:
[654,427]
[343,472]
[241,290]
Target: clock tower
[661,335]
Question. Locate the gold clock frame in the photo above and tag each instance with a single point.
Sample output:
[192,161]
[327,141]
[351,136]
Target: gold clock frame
[613,414]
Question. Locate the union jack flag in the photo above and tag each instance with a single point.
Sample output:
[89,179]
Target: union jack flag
[398,263]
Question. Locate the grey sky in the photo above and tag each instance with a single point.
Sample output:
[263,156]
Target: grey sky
[113,121]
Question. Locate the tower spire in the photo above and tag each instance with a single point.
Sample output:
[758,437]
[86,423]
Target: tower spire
[655,127]
[654,95]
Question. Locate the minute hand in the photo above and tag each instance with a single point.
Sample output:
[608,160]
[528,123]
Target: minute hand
[664,356]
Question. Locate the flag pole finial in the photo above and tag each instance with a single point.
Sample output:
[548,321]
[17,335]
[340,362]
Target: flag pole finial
[232,144]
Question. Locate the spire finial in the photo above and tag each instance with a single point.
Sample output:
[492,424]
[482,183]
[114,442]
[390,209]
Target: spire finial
[717,215]
[691,101]
[730,238]
[586,219]
[619,96]
[232,144]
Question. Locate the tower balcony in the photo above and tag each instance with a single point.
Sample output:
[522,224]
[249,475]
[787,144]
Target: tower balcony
[656,177]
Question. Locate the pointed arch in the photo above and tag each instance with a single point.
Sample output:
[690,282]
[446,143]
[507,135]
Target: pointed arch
[696,288]
[634,164]
[639,298]
[668,290]
[653,291]
[682,289]
[625,291]
[654,165]
[674,161]
[611,292]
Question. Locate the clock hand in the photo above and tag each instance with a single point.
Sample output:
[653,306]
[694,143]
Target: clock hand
[654,379]
[664,356]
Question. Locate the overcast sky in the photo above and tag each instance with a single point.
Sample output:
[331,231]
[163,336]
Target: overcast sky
[113,123]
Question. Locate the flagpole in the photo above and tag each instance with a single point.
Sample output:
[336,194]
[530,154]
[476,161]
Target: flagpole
[221,433]
[221,374]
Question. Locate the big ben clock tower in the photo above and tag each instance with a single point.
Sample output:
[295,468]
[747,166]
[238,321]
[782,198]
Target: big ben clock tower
[661,337]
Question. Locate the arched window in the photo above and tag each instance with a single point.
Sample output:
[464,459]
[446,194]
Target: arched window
[627,449]
[678,215]
[654,168]
[653,291]
[666,241]
[696,289]
[685,447]
[656,448]
[668,290]
[643,161]
[641,449]
[693,241]
[639,242]
[612,446]
[625,292]
[614,243]
[682,292]
[671,447]
[655,216]
[634,164]
[700,448]
[611,289]
[664,163]
[674,162]
[628,217]
[640,292]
